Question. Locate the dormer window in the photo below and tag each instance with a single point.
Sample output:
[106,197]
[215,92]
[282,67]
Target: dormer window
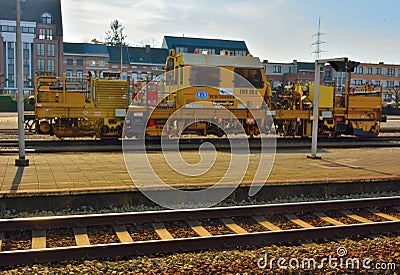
[46,18]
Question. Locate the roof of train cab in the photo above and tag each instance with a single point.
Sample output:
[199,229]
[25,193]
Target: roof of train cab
[221,60]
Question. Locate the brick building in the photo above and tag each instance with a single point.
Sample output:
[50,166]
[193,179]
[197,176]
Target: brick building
[385,75]
[79,58]
[292,72]
[42,37]
[137,62]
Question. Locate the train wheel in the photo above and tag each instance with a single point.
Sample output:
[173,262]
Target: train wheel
[129,133]
[104,130]
[44,127]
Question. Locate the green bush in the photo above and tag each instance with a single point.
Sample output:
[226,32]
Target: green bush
[9,105]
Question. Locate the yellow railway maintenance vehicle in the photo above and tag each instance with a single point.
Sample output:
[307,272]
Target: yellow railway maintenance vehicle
[201,87]
[74,107]
[349,111]
[192,80]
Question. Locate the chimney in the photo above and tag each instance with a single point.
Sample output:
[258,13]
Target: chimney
[147,48]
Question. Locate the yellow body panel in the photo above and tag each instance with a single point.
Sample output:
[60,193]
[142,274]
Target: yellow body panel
[325,96]
[365,102]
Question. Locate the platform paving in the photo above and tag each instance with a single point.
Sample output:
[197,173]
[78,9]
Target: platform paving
[69,173]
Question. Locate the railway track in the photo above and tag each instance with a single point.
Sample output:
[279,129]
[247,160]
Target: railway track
[153,232]
[90,145]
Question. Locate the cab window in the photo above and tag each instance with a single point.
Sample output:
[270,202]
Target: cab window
[251,75]
[204,76]
[171,73]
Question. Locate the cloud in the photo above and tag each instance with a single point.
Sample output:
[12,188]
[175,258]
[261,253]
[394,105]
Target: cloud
[279,30]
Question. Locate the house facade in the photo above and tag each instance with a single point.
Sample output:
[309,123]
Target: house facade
[42,42]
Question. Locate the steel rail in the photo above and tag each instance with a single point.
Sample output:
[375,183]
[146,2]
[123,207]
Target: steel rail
[199,140]
[190,214]
[59,146]
[190,244]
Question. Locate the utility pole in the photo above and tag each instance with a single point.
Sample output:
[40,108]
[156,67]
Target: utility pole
[314,140]
[21,161]
[120,75]
[317,80]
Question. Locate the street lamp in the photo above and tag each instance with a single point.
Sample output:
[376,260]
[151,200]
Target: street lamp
[315,117]
[21,161]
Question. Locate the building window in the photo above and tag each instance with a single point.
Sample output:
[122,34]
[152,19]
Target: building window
[378,71]
[181,50]
[277,69]
[369,70]
[10,49]
[26,63]
[10,65]
[92,63]
[28,30]
[102,63]
[377,83]
[50,50]
[79,75]
[49,34]
[42,34]
[134,67]
[389,84]
[25,50]
[205,51]
[46,18]
[11,78]
[40,49]
[79,62]
[6,28]
[27,82]
[390,72]
[69,75]
[40,65]
[50,65]
[360,82]
[70,62]
[360,70]
[240,53]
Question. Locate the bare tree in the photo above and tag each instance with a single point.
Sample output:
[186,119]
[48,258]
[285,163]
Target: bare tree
[116,36]
[394,94]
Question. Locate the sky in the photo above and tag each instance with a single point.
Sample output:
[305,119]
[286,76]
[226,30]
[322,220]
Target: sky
[274,30]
